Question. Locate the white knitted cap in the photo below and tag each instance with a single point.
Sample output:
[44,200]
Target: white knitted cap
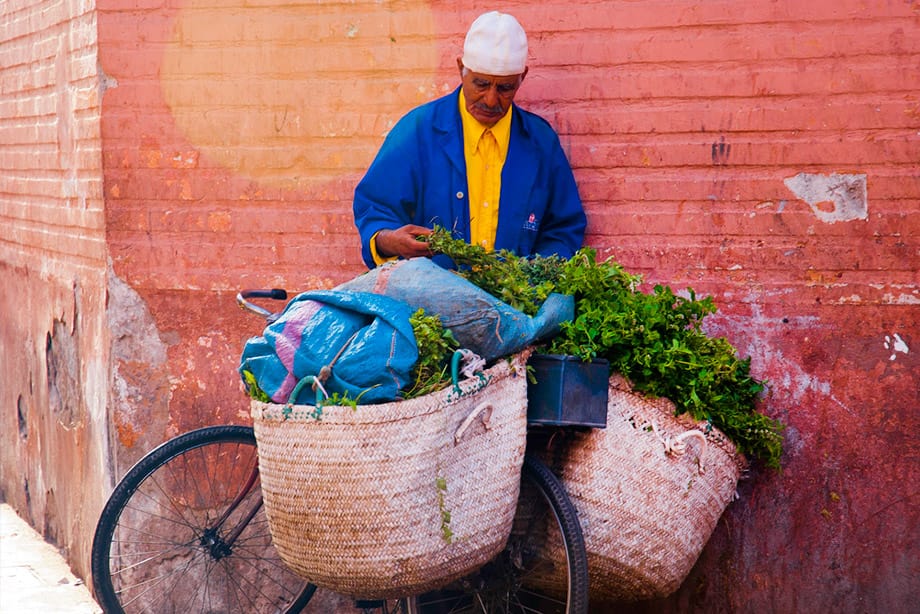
[496,44]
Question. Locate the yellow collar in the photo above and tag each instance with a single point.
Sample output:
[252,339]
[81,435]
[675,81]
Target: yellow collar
[472,130]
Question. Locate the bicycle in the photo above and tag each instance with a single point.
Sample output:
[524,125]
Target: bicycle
[185,530]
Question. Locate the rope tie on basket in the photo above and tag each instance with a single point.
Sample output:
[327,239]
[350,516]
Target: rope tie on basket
[675,446]
[471,363]
[473,366]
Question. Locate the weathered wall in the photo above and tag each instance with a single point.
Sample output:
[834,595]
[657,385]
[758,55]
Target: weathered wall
[765,153]
[53,336]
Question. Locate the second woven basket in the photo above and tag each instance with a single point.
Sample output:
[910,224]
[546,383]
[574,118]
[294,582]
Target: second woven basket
[649,490]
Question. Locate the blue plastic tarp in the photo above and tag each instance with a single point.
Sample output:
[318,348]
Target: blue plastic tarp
[366,339]
[480,322]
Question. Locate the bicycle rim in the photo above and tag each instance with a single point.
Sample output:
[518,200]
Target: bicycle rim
[543,568]
[167,540]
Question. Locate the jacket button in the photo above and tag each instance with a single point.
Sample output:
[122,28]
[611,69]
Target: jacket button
[459,194]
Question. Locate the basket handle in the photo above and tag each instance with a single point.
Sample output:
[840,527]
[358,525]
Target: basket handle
[679,440]
[675,445]
[479,409]
[317,385]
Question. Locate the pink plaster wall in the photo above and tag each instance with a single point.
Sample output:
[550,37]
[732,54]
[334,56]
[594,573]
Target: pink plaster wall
[765,153]
[53,334]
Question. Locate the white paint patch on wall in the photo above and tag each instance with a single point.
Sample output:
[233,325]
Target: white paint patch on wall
[901,299]
[789,382]
[895,344]
[847,193]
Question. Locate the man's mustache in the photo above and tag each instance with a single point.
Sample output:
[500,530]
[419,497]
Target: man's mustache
[488,109]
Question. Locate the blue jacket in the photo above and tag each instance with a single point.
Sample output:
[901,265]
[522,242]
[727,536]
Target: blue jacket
[419,177]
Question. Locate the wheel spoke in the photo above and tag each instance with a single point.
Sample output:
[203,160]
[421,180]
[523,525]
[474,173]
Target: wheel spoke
[151,583]
[513,582]
[159,547]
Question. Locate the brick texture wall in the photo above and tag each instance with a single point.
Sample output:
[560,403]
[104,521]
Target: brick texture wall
[765,153]
[53,336]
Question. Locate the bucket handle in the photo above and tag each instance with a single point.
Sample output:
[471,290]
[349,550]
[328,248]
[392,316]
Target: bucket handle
[479,409]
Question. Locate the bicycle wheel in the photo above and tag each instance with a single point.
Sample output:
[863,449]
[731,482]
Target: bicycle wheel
[185,531]
[543,568]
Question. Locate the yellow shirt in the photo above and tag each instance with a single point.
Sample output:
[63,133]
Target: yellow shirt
[485,150]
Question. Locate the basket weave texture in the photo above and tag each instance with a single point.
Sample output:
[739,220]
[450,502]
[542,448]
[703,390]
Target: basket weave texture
[649,490]
[389,500]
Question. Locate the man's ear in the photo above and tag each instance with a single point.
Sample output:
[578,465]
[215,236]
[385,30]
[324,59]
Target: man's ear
[524,74]
[460,65]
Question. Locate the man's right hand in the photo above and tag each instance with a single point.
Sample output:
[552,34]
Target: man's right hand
[403,242]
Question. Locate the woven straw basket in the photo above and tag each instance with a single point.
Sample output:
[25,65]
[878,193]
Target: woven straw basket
[390,500]
[649,490]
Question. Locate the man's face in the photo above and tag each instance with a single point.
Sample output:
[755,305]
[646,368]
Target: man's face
[488,97]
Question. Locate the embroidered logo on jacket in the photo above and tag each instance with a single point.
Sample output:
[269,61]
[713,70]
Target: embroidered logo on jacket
[531,223]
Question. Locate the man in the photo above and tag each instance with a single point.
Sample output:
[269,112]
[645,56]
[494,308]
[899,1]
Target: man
[474,163]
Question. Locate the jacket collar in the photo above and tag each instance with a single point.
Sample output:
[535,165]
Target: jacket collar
[448,125]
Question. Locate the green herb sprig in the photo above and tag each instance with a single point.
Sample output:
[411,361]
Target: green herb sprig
[655,339]
[510,279]
[446,533]
[253,389]
[436,346]
[337,399]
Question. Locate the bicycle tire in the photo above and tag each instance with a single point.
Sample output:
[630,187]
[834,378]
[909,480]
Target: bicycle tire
[156,548]
[526,577]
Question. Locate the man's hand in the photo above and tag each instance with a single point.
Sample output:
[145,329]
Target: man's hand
[403,242]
